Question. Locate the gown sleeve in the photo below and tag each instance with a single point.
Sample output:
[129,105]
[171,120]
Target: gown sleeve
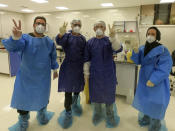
[63,40]
[136,57]
[54,63]
[14,45]
[119,50]
[162,68]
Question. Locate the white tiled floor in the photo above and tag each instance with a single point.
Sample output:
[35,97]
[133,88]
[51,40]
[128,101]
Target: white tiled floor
[127,114]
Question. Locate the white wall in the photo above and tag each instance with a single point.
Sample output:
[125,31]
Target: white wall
[56,19]
[167,35]
[6,23]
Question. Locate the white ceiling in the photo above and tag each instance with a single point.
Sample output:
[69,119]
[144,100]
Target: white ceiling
[18,5]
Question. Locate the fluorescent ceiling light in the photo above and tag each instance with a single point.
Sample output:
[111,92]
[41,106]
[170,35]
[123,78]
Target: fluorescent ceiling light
[107,4]
[3,5]
[40,1]
[27,10]
[167,1]
[62,8]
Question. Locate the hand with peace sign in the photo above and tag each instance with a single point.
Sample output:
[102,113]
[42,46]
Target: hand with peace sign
[63,29]
[112,31]
[16,30]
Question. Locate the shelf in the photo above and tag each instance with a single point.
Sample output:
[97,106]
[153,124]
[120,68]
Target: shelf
[126,32]
[122,26]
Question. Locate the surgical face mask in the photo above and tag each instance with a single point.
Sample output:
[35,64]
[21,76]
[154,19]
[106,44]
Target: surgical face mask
[40,29]
[99,32]
[76,29]
[150,39]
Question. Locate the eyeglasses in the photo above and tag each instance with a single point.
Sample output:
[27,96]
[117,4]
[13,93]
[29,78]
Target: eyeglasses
[77,25]
[38,23]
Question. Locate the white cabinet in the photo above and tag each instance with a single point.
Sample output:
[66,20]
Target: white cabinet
[125,26]
[4,64]
[127,80]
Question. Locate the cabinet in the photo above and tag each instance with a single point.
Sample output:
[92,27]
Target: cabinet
[127,74]
[4,66]
[10,62]
[128,34]
[125,26]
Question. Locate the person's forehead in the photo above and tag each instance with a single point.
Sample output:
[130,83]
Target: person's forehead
[40,20]
[151,31]
[77,23]
[99,25]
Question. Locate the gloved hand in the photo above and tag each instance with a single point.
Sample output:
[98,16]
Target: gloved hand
[136,48]
[63,29]
[113,37]
[112,31]
[17,33]
[150,84]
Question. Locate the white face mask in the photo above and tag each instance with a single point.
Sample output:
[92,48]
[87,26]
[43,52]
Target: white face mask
[40,29]
[76,29]
[99,32]
[150,39]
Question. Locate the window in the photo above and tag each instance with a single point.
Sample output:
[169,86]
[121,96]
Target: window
[159,14]
[162,14]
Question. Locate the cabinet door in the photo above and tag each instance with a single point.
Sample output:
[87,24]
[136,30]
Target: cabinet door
[4,66]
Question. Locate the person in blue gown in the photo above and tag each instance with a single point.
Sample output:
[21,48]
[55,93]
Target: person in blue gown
[100,69]
[71,78]
[153,91]
[33,80]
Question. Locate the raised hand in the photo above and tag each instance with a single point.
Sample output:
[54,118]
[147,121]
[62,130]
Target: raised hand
[63,29]
[112,31]
[17,30]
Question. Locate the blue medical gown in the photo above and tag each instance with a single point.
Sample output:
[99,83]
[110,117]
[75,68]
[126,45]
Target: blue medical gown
[71,78]
[102,80]
[33,80]
[155,66]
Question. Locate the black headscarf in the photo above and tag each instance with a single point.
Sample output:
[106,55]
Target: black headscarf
[150,46]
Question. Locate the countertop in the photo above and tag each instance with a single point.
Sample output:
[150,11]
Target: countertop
[124,62]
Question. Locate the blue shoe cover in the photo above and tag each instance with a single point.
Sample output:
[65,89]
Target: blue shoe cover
[22,123]
[112,118]
[44,116]
[143,120]
[65,119]
[76,107]
[153,124]
[157,125]
[98,113]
